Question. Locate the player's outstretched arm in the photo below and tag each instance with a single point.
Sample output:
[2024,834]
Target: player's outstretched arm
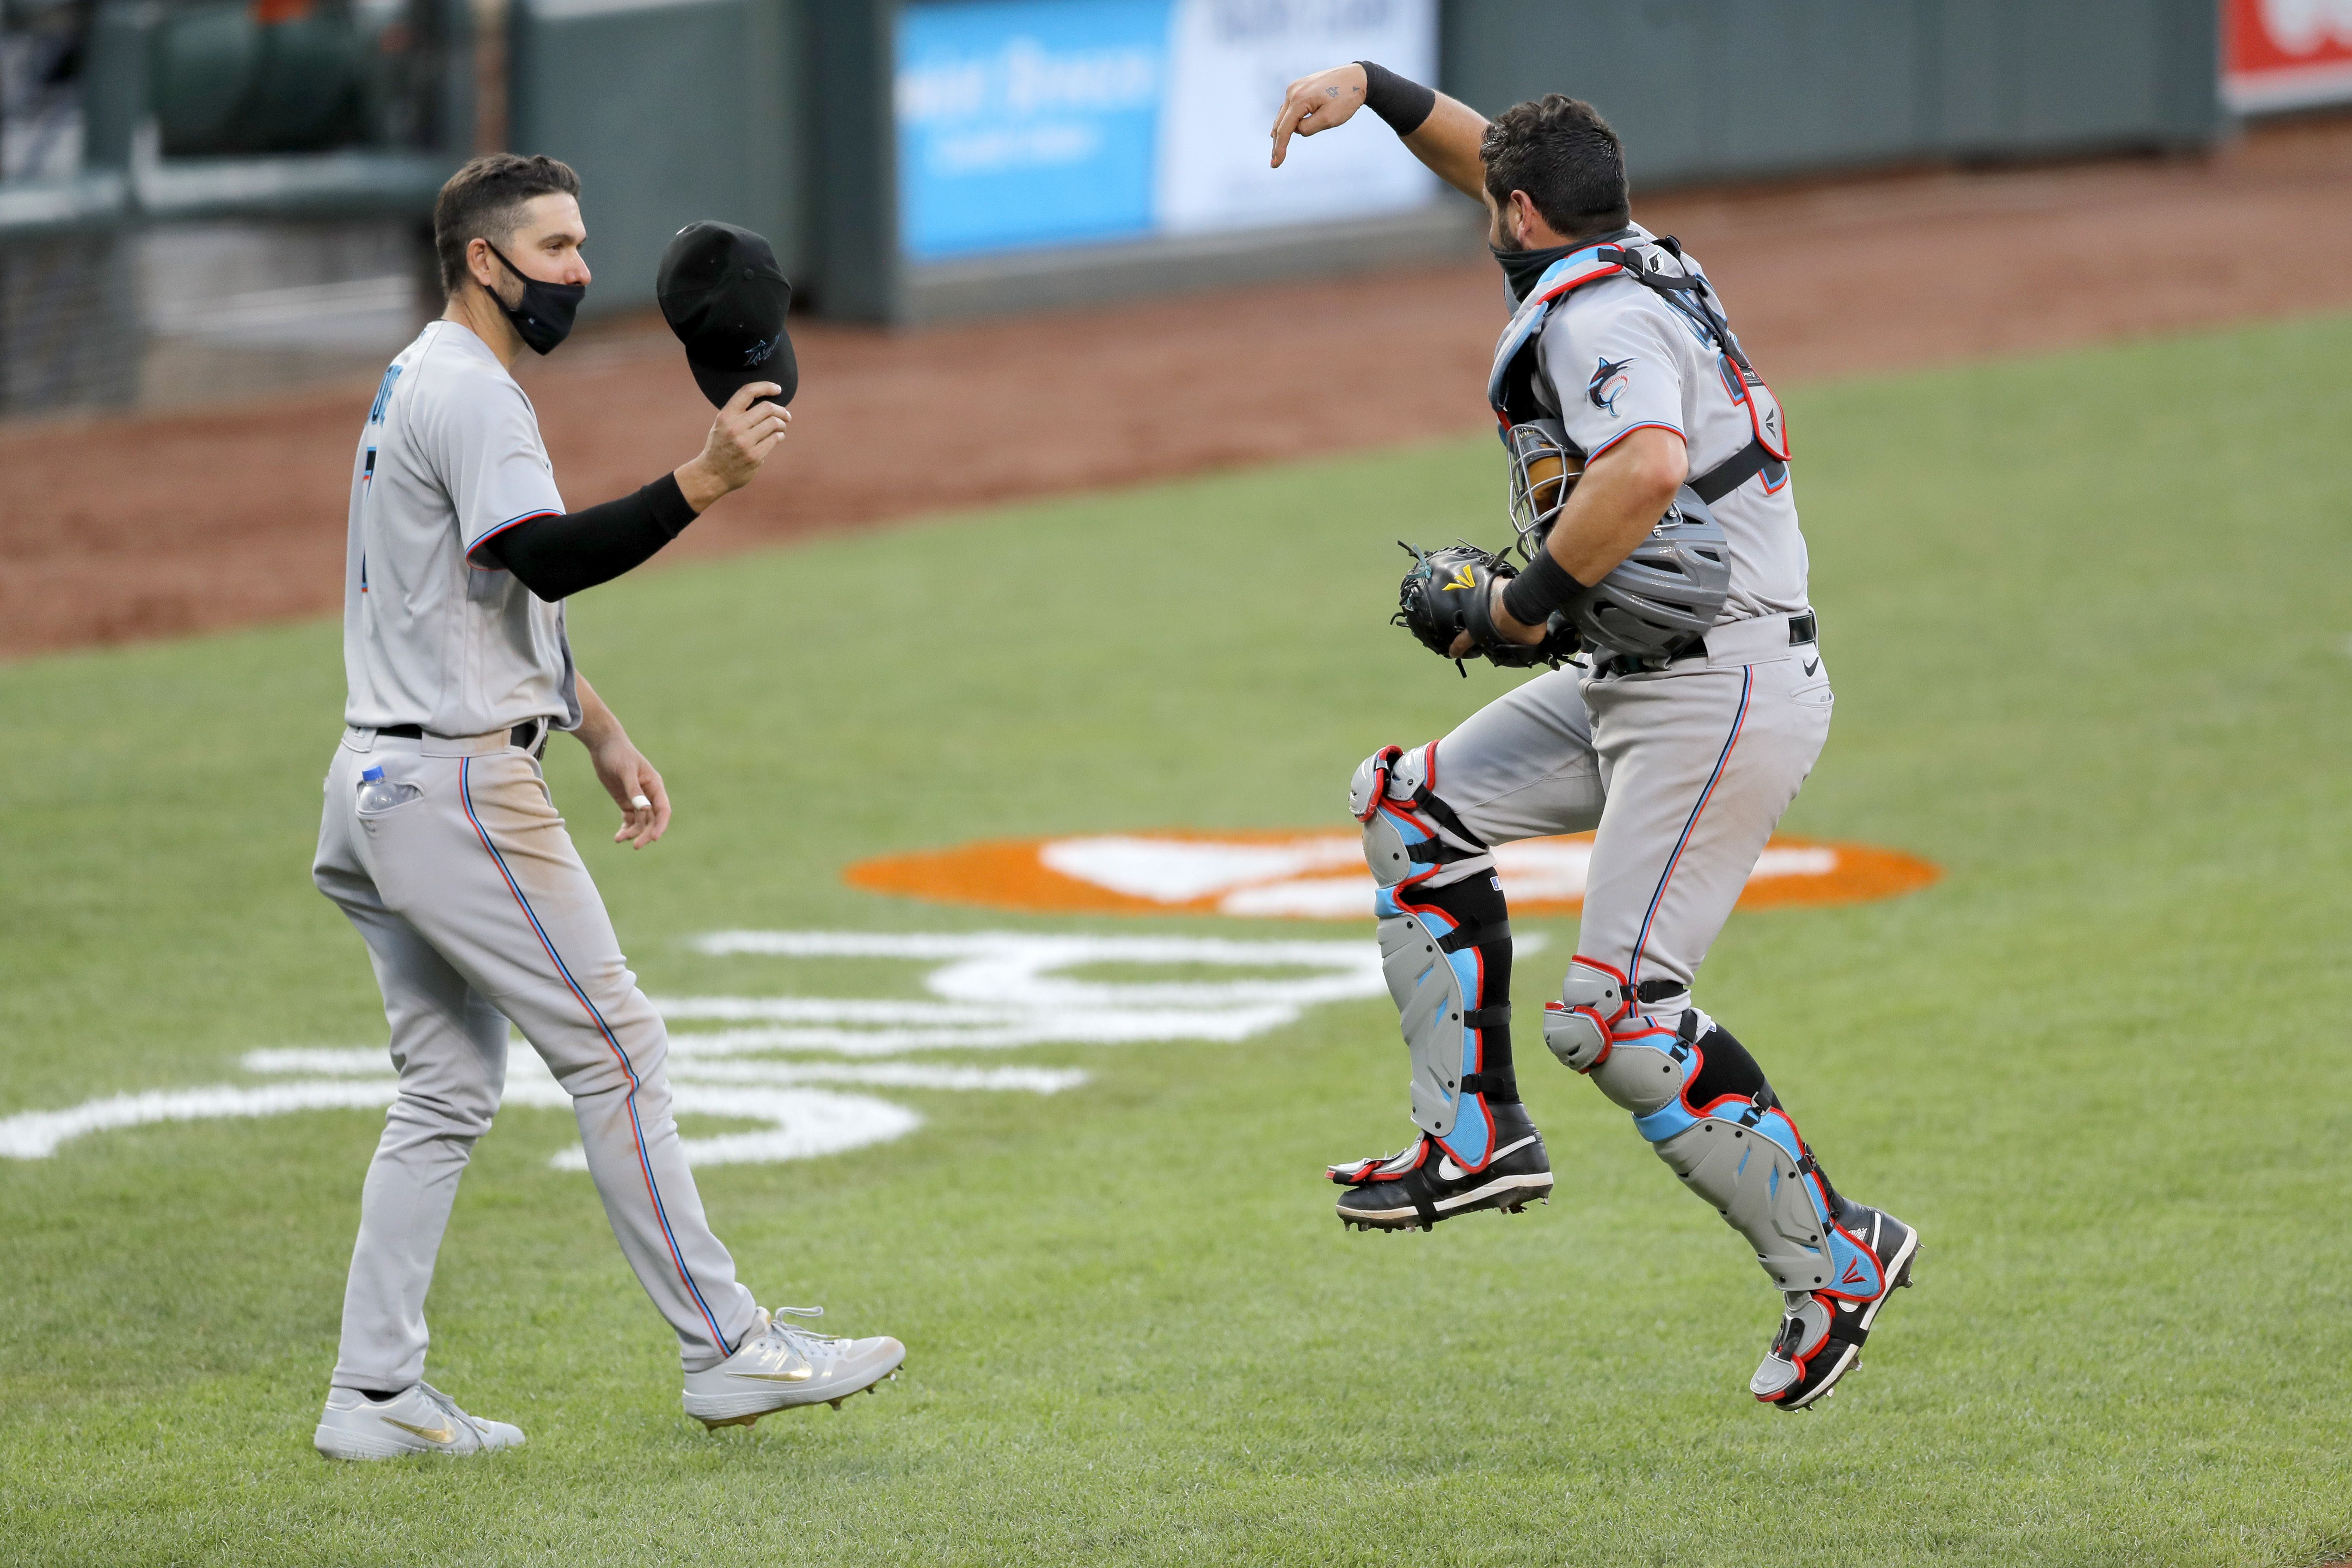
[1442,132]
[558,555]
[622,769]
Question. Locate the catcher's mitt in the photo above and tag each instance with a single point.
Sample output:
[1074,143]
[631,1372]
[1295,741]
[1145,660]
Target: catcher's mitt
[1435,601]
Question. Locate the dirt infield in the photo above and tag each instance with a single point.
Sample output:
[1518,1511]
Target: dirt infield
[128,528]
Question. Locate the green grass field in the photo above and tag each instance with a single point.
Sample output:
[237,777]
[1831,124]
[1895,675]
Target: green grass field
[2088,619]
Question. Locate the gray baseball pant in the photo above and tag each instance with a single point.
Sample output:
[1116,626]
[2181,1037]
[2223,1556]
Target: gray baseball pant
[1684,771]
[477,909]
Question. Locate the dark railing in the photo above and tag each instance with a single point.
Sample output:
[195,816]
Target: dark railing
[226,109]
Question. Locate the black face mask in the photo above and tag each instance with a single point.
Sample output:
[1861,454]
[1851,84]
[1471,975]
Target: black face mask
[1522,267]
[544,318]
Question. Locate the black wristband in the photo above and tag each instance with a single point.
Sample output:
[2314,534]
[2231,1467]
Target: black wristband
[1546,586]
[1404,102]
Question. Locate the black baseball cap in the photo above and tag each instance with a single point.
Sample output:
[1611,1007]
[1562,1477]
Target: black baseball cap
[724,296]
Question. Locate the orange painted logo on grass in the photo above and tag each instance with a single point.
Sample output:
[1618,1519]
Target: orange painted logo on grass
[1317,875]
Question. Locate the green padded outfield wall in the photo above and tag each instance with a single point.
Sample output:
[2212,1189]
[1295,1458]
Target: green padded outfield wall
[776,113]
[1703,89]
[671,110]
[1713,88]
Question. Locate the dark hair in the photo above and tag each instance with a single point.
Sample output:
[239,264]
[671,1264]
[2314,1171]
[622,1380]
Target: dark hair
[1562,153]
[485,199]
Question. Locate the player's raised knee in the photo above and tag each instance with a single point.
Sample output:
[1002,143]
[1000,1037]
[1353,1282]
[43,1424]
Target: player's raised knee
[1410,835]
[1592,1001]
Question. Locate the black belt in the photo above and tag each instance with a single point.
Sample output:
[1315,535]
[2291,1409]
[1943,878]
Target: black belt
[526,735]
[1802,629]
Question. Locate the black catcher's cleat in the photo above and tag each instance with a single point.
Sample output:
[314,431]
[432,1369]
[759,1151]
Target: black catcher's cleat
[1820,1335]
[1416,1189]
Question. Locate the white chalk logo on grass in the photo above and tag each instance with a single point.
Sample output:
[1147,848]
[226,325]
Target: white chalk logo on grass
[800,1067]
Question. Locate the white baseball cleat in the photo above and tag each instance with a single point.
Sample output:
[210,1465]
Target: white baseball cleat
[418,1420]
[784,1366]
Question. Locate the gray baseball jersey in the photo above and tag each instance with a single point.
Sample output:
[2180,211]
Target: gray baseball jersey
[435,634]
[1618,359]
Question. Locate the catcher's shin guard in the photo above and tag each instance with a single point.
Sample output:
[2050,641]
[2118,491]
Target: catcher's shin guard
[1702,1103]
[1446,949]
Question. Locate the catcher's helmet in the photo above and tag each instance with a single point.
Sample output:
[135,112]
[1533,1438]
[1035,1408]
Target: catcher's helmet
[1663,597]
[1658,600]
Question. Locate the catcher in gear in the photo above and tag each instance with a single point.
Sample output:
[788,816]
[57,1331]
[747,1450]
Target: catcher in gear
[1651,494]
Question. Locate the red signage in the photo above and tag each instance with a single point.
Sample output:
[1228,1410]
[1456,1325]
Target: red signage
[2284,54]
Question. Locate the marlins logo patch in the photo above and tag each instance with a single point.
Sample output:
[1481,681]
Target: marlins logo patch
[1609,382]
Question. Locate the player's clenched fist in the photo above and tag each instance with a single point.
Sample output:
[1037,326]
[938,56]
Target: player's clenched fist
[746,432]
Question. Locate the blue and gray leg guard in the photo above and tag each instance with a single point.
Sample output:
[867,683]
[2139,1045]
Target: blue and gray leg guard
[1702,1101]
[1445,948]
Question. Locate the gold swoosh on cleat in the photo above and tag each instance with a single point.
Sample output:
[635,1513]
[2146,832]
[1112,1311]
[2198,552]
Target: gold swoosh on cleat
[801,1376]
[430,1434]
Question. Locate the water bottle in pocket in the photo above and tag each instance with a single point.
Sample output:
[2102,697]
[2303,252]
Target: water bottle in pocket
[378,792]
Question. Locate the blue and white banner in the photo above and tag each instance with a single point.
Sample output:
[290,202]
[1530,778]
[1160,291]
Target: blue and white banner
[1024,123]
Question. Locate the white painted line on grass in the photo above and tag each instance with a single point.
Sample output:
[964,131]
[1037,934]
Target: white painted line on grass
[988,991]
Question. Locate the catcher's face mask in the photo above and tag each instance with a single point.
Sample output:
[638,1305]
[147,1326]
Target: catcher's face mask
[1544,470]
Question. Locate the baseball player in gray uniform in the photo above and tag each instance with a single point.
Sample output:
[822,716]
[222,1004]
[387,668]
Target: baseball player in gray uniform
[440,842]
[1652,495]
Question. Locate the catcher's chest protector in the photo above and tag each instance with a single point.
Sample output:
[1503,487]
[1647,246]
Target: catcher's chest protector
[1511,384]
